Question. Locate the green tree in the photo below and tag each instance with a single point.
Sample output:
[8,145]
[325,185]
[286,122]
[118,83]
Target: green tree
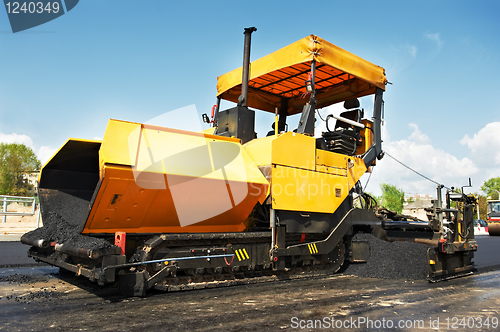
[376,198]
[16,160]
[481,202]
[491,187]
[392,198]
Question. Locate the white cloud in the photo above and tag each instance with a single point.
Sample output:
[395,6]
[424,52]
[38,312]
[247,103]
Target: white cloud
[412,49]
[434,37]
[15,138]
[418,153]
[44,153]
[335,109]
[485,144]
[417,135]
[484,149]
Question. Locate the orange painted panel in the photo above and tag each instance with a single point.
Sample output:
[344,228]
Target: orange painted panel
[187,204]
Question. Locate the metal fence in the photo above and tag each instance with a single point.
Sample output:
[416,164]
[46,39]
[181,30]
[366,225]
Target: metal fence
[6,200]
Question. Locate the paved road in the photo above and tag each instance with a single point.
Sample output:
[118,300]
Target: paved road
[487,256]
[14,254]
[39,298]
[64,303]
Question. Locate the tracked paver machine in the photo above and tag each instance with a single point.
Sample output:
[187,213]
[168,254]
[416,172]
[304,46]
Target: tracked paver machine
[151,206]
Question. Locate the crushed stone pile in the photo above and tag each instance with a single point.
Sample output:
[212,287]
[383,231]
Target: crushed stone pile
[391,260]
[23,279]
[43,295]
[56,229]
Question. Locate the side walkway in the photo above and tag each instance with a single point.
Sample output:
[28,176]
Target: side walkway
[16,226]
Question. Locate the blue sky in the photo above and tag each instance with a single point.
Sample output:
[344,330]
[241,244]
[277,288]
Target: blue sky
[135,60]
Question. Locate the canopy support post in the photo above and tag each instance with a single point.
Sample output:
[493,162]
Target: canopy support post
[312,99]
[306,123]
[283,114]
[375,151]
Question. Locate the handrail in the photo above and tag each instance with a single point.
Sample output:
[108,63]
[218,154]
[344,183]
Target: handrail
[14,199]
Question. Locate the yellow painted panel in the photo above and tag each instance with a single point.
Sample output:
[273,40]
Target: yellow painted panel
[114,149]
[121,137]
[294,150]
[260,150]
[355,169]
[152,149]
[309,191]
[339,164]
[331,170]
[209,131]
[331,159]
[367,135]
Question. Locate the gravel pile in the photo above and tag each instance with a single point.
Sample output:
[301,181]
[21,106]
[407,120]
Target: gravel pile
[391,260]
[60,231]
[22,279]
[45,294]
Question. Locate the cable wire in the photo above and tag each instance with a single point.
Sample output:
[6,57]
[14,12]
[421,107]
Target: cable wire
[411,169]
[317,111]
[369,177]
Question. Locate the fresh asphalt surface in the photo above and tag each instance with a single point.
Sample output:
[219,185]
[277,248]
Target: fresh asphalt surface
[39,298]
[486,258]
[15,254]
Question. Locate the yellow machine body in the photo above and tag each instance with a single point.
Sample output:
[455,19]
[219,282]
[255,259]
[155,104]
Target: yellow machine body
[302,177]
[308,179]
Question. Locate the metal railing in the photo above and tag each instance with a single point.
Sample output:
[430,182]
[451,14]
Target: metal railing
[18,199]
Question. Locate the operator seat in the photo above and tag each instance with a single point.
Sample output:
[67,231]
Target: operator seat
[353,113]
[271,132]
[345,137]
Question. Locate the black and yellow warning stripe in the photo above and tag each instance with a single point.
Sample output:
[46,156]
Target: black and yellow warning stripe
[312,248]
[242,254]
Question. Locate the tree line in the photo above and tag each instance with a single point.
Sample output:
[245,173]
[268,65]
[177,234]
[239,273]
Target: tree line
[17,161]
[392,198]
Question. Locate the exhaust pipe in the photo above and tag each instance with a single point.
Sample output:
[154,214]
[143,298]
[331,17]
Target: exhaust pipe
[242,100]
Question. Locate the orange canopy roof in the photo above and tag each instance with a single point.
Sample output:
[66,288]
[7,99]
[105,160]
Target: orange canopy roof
[340,75]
